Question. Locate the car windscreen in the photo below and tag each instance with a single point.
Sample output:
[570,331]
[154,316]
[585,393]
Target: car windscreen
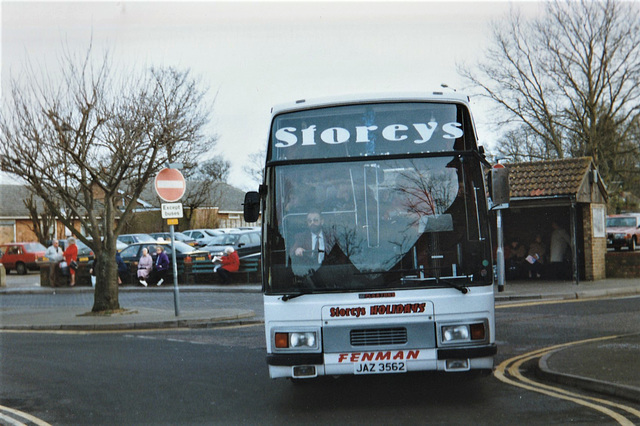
[224,239]
[621,222]
[33,247]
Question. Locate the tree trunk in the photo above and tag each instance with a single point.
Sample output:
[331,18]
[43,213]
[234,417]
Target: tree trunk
[106,292]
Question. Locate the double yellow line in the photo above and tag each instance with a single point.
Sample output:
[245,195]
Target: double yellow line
[509,372]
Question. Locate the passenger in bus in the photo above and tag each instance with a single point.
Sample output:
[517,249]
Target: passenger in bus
[339,198]
[312,245]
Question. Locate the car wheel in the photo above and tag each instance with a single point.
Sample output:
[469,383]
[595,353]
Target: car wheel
[21,269]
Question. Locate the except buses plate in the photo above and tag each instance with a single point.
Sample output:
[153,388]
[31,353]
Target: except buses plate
[380,367]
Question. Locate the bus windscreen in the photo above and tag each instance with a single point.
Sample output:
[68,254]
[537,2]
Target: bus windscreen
[382,224]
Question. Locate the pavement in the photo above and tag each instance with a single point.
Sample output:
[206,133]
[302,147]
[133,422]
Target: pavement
[576,365]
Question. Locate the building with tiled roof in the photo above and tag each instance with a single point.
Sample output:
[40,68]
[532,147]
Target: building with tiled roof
[569,192]
[566,178]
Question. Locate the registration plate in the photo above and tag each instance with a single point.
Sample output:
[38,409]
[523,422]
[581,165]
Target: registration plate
[379,367]
[83,259]
[200,258]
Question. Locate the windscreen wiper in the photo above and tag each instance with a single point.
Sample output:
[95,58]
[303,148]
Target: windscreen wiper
[461,288]
[293,295]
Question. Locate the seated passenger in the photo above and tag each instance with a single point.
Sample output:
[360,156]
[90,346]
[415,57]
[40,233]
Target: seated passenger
[536,257]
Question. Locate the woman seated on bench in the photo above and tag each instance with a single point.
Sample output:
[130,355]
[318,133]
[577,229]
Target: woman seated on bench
[229,262]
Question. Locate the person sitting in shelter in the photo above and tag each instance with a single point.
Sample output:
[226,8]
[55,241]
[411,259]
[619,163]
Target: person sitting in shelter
[514,259]
[536,257]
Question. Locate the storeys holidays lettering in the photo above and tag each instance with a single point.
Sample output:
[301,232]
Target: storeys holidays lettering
[360,311]
[407,308]
[418,132]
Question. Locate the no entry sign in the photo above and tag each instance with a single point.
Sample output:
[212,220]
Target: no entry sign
[170,185]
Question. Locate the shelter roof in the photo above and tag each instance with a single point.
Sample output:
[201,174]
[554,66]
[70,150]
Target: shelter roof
[549,178]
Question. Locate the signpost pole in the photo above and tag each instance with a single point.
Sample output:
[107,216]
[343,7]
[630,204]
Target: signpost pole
[170,186]
[176,294]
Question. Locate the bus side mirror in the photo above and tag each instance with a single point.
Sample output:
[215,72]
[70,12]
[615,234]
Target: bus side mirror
[251,206]
[499,186]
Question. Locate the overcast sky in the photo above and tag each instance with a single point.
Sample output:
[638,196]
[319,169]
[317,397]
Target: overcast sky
[256,55]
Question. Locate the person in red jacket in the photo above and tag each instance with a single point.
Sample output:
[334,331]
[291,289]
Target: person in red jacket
[229,262]
[71,254]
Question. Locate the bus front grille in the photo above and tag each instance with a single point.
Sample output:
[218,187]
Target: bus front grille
[379,336]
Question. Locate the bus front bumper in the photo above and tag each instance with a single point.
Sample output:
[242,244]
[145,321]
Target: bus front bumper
[305,365]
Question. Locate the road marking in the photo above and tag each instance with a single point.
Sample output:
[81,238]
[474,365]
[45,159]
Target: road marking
[219,326]
[509,304]
[509,372]
[26,416]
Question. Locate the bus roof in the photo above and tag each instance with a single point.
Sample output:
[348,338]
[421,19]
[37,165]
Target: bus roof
[437,96]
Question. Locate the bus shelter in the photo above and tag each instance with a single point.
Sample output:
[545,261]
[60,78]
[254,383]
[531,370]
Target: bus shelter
[570,193]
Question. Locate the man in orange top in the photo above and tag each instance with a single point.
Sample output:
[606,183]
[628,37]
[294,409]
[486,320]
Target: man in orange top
[229,262]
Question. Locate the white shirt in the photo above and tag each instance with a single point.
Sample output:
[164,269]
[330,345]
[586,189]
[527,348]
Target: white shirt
[319,239]
[55,254]
[560,240]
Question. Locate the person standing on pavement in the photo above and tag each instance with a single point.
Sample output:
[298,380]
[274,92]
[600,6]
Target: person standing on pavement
[161,267]
[123,269]
[71,255]
[55,254]
[145,266]
[560,242]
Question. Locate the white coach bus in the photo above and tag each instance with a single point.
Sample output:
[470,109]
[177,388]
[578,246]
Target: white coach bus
[376,251]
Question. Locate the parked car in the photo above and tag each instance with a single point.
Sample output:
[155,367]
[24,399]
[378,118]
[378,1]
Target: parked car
[178,235]
[623,230]
[244,242]
[136,238]
[185,254]
[85,261]
[202,236]
[22,256]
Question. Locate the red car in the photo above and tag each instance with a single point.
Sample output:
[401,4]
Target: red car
[22,256]
[623,230]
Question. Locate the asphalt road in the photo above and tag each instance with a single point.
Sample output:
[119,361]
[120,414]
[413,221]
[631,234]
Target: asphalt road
[219,376]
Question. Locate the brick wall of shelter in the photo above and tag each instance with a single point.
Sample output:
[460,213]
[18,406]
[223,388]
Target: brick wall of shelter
[594,248]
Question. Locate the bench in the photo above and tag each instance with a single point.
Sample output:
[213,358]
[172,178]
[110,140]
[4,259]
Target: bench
[203,271]
[249,267]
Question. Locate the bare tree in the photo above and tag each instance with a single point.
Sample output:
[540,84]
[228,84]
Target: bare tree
[569,82]
[255,166]
[42,222]
[203,187]
[92,140]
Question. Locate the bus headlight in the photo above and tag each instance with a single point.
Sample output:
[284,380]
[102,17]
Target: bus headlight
[455,333]
[458,333]
[296,340]
[303,340]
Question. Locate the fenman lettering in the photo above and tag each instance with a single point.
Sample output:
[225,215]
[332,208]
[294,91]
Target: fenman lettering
[378,356]
[418,132]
